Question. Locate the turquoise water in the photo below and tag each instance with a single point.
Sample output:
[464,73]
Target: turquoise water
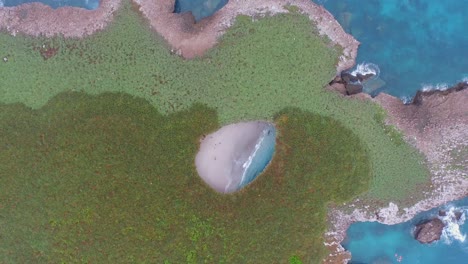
[87,4]
[412,45]
[199,8]
[264,150]
[372,243]
[416,43]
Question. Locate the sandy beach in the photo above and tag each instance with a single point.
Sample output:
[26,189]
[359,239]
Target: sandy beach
[223,153]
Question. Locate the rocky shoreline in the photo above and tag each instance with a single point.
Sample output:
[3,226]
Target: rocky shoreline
[436,123]
[190,39]
[37,19]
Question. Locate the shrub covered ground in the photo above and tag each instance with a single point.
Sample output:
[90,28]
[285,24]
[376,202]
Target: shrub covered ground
[85,178]
[109,179]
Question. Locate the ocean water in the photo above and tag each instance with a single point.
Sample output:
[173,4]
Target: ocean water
[373,243]
[199,8]
[416,44]
[260,157]
[87,4]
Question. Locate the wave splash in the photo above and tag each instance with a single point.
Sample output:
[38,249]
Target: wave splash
[453,220]
[366,68]
[434,87]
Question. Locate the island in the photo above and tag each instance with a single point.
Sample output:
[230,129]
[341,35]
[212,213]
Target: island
[103,112]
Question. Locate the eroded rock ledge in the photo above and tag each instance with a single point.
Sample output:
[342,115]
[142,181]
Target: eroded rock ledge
[437,125]
[37,19]
[190,39]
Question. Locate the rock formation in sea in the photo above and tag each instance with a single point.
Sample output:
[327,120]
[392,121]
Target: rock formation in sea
[429,231]
[436,124]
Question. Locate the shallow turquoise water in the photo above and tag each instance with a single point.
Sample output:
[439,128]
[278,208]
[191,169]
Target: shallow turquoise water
[371,242]
[416,43]
[264,150]
[87,4]
[199,8]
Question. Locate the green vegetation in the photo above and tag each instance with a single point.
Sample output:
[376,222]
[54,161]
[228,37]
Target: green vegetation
[392,132]
[458,156]
[258,69]
[107,178]
[84,178]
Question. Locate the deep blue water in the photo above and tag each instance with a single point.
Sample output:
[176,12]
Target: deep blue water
[372,243]
[199,8]
[87,4]
[415,43]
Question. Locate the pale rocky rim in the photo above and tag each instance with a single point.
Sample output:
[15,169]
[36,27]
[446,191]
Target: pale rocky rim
[436,143]
[191,40]
[37,19]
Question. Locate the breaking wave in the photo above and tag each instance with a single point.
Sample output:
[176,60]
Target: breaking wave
[366,68]
[452,222]
[432,87]
[406,99]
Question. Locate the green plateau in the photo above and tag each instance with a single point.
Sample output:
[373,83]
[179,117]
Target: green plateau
[98,138]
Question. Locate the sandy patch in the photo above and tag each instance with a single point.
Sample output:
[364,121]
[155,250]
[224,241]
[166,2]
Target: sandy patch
[223,156]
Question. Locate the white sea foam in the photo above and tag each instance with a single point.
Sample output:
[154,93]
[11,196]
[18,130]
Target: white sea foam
[432,87]
[366,68]
[247,164]
[406,99]
[465,79]
[1,3]
[451,230]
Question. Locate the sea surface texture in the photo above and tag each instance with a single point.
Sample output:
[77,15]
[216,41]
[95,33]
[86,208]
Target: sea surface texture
[416,44]
[87,4]
[372,242]
[199,8]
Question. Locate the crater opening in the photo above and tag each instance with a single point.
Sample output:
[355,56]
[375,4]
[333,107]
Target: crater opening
[199,8]
[232,157]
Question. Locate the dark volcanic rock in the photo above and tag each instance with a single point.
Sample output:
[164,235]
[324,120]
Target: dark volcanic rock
[429,231]
[458,215]
[353,88]
[347,77]
[363,78]
[420,95]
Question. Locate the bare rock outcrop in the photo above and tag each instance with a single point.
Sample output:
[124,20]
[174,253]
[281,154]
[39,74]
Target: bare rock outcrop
[193,39]
[430,231]
[38,19]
